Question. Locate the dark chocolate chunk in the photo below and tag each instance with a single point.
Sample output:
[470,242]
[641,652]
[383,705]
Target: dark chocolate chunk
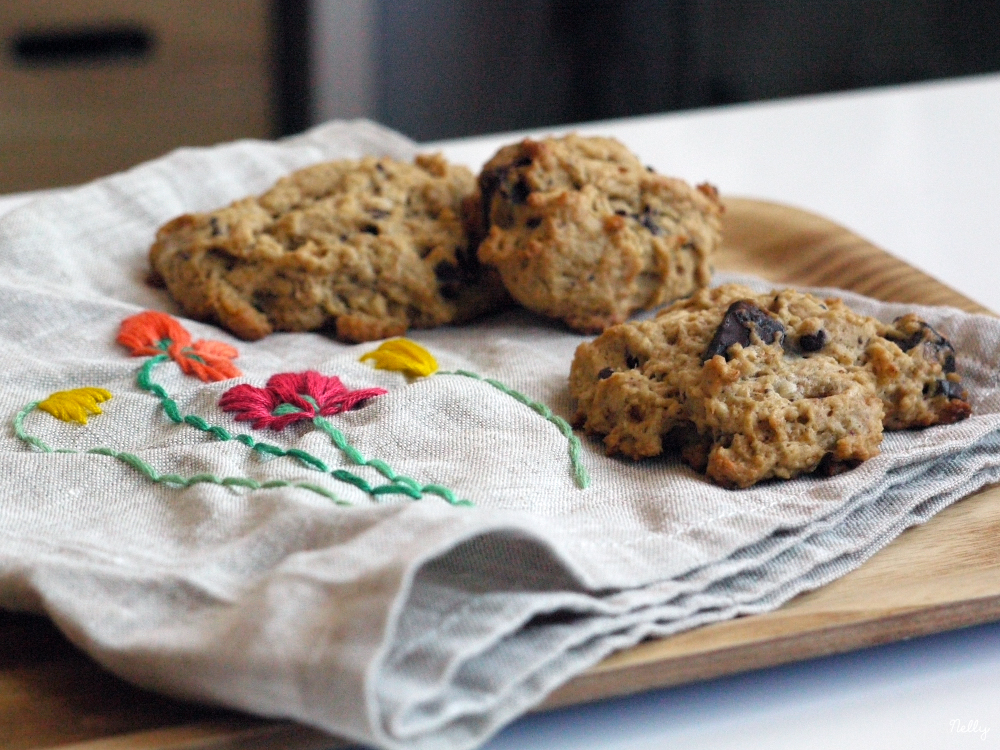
[446,271]
[489,183]
[630,361]
[945,388]
[534,222]
[646,219]
[370,229]
[935,346]
[449,278]
[606,373]
[830,466]
[520,192]
[813,342]
[740,321]
[468,262]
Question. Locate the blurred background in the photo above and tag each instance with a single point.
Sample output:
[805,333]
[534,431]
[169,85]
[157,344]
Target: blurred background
[89,87]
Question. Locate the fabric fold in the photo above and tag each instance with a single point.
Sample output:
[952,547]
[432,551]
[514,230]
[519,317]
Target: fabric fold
[306,573]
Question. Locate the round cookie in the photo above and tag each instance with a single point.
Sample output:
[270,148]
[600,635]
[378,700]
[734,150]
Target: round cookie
[751,386]
[365,248]
[581,231]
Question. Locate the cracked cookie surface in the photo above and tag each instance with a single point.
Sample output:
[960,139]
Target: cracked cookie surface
[581,231]
[366,249]
[753,386]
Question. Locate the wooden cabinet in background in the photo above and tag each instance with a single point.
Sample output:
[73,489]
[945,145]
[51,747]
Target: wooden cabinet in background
[89,88]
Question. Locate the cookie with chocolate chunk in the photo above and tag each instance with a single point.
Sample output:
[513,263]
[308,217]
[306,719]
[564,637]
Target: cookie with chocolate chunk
[366,249]
[581,231]
[753,386]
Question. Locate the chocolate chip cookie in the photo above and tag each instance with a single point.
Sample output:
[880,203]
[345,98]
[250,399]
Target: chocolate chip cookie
[366,249]
[752,386]
[581,231]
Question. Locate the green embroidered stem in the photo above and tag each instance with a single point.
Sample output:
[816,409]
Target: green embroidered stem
[173,480]
[145,381]
[21,433]
[580,474]
[400,485]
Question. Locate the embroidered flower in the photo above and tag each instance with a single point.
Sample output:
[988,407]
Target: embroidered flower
[405,356]
[151,333]
[292,397]
[75,405]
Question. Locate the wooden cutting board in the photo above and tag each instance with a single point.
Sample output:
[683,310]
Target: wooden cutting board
[939,576]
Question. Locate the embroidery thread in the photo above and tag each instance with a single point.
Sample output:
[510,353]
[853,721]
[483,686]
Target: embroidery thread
[405,356]
[144,468]
[153,333]
[288,398]
[293,397]
[410,358]
[75,405]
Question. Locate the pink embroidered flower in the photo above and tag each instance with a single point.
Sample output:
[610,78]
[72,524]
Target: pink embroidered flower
[151,333]
[291,397]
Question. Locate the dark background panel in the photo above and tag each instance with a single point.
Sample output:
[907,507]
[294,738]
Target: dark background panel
[447,68]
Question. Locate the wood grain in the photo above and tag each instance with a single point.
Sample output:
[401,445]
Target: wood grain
[207,79]
[942,575]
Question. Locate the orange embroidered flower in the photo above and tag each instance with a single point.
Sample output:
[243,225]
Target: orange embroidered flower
[151,333]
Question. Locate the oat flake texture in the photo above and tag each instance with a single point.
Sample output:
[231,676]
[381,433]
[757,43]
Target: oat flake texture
[396,623]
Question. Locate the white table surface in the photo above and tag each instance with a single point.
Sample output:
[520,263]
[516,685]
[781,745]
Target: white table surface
[915,170]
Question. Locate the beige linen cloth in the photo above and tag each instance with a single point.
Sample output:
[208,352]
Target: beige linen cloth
[397,622]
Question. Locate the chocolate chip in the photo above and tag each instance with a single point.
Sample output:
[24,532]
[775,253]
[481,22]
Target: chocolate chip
[945,388]
[524,161]
[489,183]
[534,222]
[741,319]
[646,219]
[223,258]
[621,212]
[449,278]
[813,342]
[446,271]
[630,361]
[606,373]
[830,466]
[370,229]
[214,222]
[948,365]
[520,192]
[935,346]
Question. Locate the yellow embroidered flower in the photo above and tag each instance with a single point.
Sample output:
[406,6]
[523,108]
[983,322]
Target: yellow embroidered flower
[75,405]
[405,356]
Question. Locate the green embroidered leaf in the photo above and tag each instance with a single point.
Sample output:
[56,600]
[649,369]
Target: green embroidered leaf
[75,405]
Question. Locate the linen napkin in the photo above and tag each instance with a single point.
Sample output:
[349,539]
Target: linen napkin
[425,568]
